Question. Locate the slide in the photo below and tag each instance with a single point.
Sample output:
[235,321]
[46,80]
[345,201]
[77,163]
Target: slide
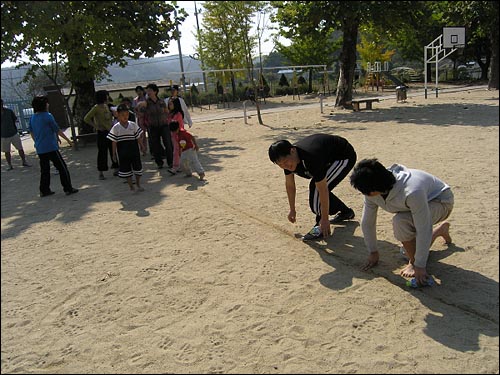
[394,79]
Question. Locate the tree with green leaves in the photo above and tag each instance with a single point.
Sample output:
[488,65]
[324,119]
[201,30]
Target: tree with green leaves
[315,48]
[412,35]
[481,20]
[86,36]
[276,58]
[43,79]
[417,32]
[304,18]
[372,48]
[301,80]
[225,24]
[256,7]
[228,40]
[264,86]
[283,81]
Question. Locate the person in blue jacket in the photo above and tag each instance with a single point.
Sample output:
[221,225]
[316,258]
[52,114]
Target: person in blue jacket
[45,133]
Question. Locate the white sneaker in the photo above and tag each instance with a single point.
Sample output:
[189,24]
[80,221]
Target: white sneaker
[314,234]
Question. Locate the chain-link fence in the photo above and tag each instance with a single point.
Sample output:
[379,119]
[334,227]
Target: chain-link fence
[23,111]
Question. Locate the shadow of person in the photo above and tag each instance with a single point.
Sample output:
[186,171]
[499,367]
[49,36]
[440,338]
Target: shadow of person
[139,202]
[464,303]
[459,324]
[464,299]
[341,249]
[194,185]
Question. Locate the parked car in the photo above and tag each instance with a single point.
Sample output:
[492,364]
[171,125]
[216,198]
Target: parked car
[470,70]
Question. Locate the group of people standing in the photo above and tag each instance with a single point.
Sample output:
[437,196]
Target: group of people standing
[164,121]
[153,117]
[123,133]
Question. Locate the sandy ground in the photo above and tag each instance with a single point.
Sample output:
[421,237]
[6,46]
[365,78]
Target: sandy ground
[192,277]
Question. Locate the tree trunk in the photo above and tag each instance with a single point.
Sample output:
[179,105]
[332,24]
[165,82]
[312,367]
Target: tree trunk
[71,118]
[257,101]
[83,82]
[84,100]
[347,62]
[254,86]
[310,88]
[484,66]
[233,86]
[257,106]
[493,82]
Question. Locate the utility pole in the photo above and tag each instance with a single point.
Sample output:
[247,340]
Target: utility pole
[183,78]
[200,49]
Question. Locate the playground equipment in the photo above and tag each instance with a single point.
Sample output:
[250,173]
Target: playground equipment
[375,75]
[379,77]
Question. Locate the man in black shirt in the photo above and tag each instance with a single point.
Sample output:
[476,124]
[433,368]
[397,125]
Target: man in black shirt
[326,160]
[10,136]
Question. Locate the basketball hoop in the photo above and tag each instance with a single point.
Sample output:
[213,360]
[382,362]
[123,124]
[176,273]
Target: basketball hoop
[453,37]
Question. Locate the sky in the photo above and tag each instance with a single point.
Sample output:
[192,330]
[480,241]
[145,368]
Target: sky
[188,29]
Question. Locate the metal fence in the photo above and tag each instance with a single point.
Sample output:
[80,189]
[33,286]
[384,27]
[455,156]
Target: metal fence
[23,111]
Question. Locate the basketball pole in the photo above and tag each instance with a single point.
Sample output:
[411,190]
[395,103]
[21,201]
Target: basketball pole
[452,37]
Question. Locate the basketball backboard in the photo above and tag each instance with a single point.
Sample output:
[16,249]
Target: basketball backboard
[453,37]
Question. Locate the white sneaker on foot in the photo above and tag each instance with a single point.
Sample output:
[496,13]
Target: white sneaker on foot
[314,234]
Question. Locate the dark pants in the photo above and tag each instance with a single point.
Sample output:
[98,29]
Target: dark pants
[158,135]
[56,158]
[129,158]
[337,171]
[104,146]
[150,143]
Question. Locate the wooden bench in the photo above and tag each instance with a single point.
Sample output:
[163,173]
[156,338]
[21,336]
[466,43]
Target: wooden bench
[357,102]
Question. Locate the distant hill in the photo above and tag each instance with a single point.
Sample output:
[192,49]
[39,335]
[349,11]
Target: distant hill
[154,69]
[137,72]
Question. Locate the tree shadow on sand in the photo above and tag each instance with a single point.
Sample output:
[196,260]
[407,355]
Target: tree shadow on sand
[23,207]
[445,114]
[462,299]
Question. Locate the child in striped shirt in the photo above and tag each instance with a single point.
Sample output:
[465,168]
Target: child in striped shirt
[127,138]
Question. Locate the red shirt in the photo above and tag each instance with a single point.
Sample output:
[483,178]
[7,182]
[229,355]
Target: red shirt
[185,138]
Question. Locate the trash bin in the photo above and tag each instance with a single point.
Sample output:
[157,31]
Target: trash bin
[401,94]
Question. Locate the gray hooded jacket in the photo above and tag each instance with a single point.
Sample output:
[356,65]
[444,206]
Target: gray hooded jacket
[412,192]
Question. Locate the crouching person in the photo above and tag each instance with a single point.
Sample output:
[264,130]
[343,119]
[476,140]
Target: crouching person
[418,199]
